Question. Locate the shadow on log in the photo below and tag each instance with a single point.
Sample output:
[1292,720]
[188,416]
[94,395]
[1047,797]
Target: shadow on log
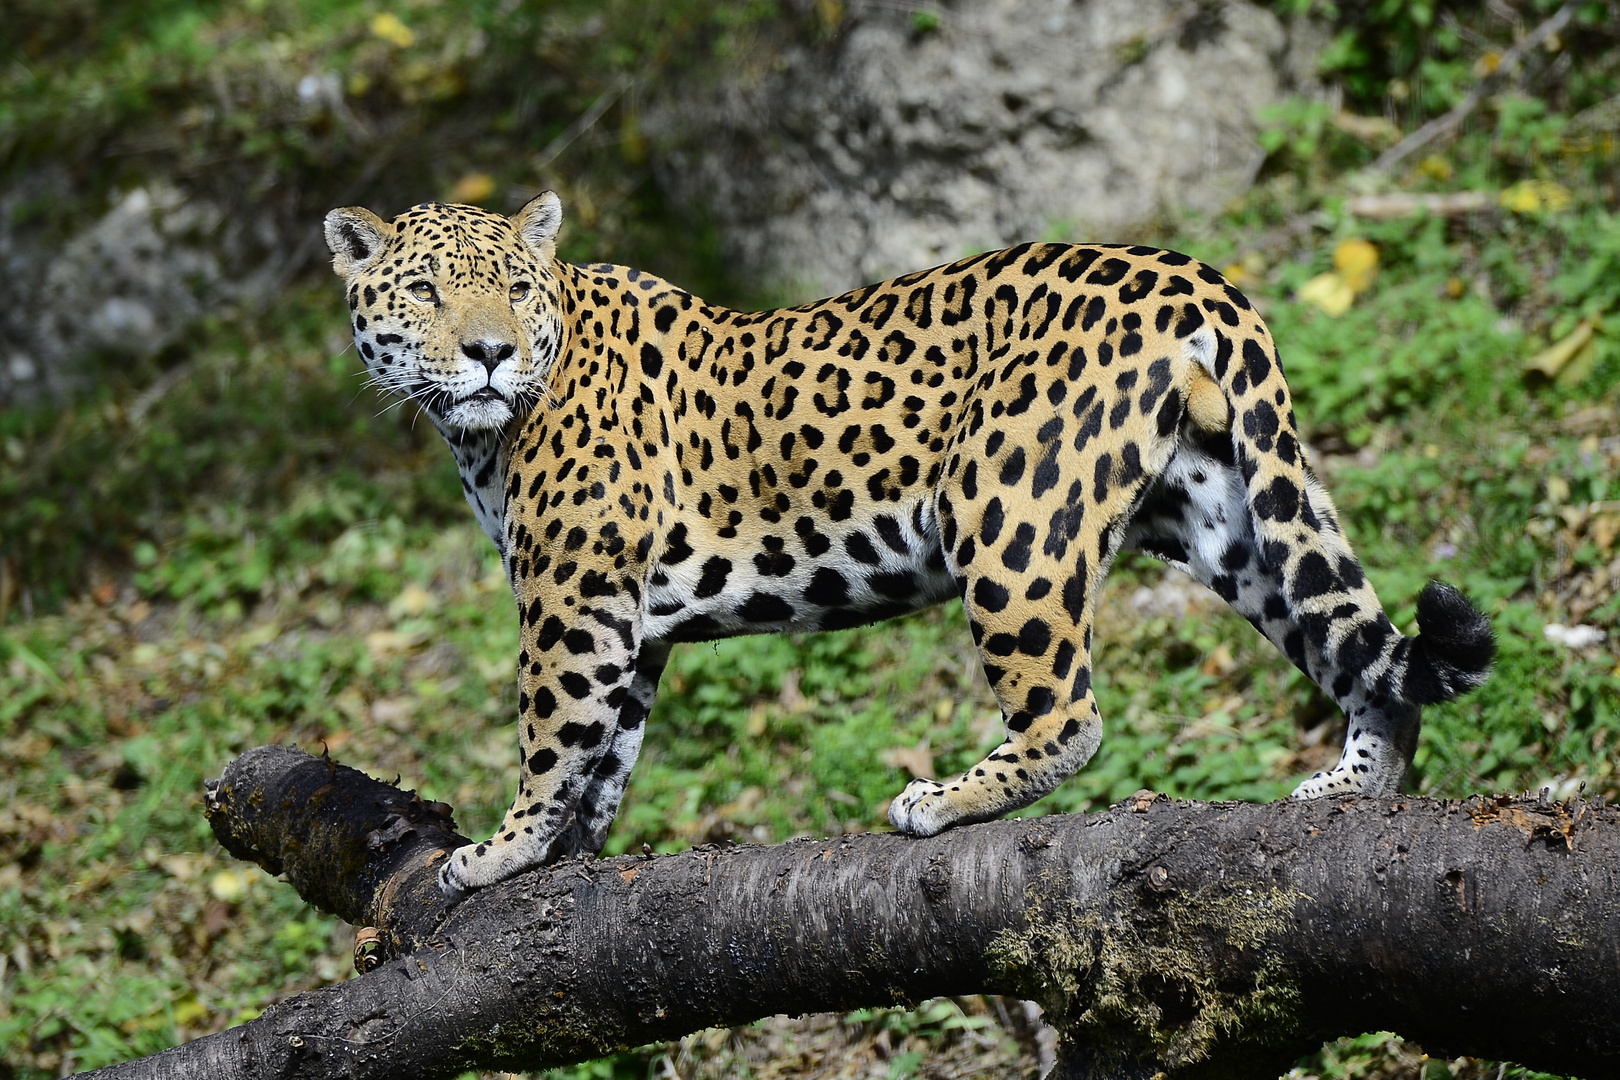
[1162,937]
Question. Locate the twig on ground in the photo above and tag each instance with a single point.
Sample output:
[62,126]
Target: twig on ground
[1399,204]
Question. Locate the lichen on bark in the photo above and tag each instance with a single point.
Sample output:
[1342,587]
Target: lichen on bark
[1142,978]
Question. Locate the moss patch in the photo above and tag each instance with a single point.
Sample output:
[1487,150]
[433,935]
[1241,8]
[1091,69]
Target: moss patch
[1174,977]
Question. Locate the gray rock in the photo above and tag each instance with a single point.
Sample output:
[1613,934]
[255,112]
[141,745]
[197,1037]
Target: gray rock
[123,289]
[891,148]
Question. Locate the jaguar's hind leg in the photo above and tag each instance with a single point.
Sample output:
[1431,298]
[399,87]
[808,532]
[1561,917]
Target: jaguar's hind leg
[1031,610]
[1197,518]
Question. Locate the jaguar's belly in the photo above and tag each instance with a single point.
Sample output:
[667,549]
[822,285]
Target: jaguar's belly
[813,575]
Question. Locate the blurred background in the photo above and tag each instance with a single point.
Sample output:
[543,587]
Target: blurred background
[213,535]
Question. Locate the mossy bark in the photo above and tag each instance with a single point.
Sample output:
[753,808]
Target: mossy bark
[1164,938]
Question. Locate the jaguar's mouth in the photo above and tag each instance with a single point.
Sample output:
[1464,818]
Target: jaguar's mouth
[484,408]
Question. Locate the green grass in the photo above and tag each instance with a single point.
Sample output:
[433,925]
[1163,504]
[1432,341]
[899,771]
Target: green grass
[269,554]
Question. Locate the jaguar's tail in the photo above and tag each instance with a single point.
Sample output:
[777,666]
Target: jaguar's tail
[1454,648]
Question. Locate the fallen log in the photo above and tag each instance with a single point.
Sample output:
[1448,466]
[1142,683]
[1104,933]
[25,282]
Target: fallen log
[1161,937]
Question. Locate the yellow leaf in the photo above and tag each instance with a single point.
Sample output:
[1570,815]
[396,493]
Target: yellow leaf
[1551,361]
[1435,167]
[388,27]
[188,1010]
[1488,63]
[1534,196]
[1328,292]
[1356,260]
[228,886]
[473,188]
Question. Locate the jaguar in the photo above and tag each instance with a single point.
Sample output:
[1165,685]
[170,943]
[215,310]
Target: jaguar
[656,469]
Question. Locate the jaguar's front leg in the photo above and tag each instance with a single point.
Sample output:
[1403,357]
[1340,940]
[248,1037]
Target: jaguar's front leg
[599,805]
[581,641]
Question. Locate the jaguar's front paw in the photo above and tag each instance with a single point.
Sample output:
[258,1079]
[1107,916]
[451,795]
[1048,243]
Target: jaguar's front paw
[451,885]
[922,809]
[477,866]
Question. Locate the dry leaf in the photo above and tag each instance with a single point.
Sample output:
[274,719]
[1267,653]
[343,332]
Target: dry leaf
[1551,361]
[1595,420]
[1604,529]
[918,761]
[393,712]
[1399,204]
[1219,662]
[411,602]
[1369,129]
[384,643]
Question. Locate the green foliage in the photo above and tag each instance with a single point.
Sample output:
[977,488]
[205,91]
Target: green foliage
[211,79]
[1419,58]
[1380,1054]
[1298,135]
[284,436]
[1412,347]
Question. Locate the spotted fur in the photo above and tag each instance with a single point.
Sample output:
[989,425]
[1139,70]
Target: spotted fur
[995,430]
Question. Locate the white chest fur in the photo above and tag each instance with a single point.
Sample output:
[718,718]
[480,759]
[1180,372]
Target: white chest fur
[481,458]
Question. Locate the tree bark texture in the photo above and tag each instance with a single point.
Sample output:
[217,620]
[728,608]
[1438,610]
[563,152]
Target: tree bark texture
[1162,937]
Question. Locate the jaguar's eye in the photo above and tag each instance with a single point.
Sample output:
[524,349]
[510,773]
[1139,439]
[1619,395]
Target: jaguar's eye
[519,292]
[423,291]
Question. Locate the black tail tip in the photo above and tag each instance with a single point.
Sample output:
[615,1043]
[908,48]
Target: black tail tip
[1454,647]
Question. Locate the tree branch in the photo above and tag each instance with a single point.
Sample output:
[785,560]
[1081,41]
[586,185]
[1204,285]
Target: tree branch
[1446,125]
[1188,939]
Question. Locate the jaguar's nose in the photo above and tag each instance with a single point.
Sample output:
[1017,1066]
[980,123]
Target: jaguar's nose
[487,352]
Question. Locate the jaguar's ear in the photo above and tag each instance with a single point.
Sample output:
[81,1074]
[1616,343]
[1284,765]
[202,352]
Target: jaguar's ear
[355,235]
[538,223]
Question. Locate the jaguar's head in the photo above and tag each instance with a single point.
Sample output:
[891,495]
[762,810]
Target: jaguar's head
[453,306]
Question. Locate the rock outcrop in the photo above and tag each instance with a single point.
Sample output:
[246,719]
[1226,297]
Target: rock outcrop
[910,137]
